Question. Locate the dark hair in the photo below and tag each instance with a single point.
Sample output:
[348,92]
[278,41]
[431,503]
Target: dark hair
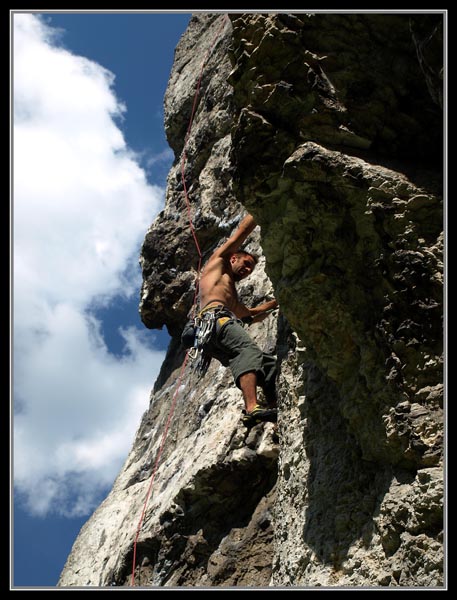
[256,258]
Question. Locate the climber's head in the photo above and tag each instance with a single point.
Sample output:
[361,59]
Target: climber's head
[242,263]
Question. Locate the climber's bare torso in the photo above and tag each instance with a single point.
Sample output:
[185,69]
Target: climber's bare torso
[218,281]
[227,265]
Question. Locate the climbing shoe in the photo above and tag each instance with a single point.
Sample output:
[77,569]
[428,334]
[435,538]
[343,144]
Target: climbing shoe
[259,415]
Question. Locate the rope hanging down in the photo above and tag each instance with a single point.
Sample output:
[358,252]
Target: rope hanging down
[156,464]
[200,256]
[184,159]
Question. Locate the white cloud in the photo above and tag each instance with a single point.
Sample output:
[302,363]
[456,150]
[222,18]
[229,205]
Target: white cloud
[166,156]
[81,208]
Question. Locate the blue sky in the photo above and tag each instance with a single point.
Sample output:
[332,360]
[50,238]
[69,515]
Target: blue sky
[90,166]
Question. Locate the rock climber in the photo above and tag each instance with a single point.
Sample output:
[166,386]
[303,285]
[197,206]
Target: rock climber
[229,341]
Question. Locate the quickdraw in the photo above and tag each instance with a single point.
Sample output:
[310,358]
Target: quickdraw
[204,326]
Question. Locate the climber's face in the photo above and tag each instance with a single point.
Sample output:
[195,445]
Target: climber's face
[242,265]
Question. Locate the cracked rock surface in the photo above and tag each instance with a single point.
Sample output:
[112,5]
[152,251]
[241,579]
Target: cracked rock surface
[328,129]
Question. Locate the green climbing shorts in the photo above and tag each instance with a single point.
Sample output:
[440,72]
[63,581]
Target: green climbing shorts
[234,348]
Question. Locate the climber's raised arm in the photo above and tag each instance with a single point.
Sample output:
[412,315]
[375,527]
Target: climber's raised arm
[236,240]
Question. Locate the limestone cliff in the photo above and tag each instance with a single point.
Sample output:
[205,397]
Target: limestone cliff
[328,129]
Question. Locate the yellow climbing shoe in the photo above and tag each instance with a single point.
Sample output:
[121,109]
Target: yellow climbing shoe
[259,415]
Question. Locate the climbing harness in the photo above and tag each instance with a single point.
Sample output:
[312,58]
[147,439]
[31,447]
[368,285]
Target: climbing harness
[200,256]
[208,323]
[204,326]
[200,329]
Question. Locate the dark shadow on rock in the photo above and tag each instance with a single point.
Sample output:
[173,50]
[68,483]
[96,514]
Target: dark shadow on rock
[343,489]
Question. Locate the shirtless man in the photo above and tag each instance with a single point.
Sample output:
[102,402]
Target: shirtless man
[231,344]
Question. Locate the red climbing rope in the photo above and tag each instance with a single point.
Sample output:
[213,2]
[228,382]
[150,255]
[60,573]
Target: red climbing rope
[156,464]
[197,245]
[184,160]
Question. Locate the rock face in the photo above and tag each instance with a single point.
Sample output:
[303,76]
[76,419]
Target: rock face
[328,129]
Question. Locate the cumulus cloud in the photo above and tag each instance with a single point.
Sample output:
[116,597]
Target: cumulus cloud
[81,207]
